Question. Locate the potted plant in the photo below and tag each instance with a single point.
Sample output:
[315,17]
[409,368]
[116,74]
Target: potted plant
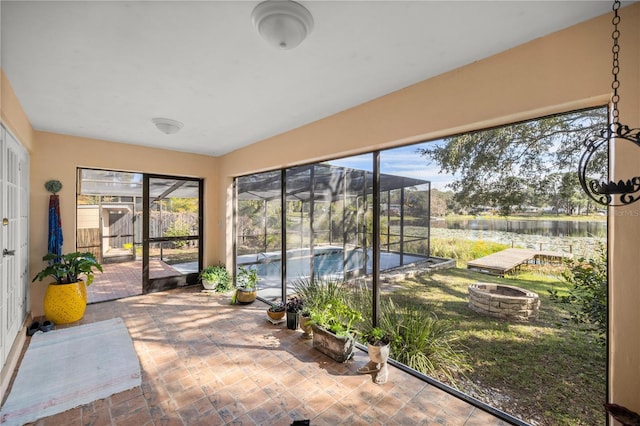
[333,332]
[246,286]
[216,278]
[276,311]
[294,306]
[66,298]
[378,342]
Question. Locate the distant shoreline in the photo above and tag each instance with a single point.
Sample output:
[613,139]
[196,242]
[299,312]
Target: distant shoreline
[568,218]
[580,246]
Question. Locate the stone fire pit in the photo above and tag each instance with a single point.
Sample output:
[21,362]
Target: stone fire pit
[504,301]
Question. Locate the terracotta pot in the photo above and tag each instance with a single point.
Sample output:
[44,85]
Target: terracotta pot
[65,303]
[246,296]
[276,316]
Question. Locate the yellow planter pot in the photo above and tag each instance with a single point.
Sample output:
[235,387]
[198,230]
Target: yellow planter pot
[65,303]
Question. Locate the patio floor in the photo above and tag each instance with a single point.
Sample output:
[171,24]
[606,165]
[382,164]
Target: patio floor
[205,362]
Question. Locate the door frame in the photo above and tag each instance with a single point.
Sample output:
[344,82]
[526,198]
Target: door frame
[14,267]
[149,284]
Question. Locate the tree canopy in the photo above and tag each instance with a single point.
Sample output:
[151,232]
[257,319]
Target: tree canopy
[533,162]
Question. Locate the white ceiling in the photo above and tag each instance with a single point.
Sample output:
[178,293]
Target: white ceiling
[104,69]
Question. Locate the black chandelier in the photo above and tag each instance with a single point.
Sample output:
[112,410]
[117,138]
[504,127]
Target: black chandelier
[606,192]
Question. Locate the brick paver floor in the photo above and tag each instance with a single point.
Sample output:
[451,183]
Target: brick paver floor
[205,362]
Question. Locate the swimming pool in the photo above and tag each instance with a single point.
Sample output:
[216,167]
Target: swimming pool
[331,261]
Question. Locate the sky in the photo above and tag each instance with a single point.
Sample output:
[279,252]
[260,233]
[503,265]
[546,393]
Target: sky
[403,161]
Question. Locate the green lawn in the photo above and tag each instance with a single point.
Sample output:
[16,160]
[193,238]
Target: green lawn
[549,371]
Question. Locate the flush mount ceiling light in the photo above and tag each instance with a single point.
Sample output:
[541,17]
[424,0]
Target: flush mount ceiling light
[605,192]
[167,126]
[282,23]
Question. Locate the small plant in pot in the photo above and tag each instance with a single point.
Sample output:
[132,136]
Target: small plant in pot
[246,286]
[66,298]
[378,342]
[216,278]
[294,306]
[276,311]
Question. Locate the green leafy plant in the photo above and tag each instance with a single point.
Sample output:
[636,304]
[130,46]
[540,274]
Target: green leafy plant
[247,278]
[178,229]
[336,316]
[376,336]
[219,276]
[69,268]
[588,293]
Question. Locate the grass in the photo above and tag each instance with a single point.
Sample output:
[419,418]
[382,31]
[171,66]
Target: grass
[464,250]
[550,371]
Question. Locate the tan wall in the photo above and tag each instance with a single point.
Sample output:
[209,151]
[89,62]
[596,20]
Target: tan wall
[567,70]
[13,115]
[57,156]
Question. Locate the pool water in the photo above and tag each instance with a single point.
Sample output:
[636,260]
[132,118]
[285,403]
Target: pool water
[328,261]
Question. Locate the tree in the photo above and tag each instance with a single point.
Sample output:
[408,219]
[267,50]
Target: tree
[515,158]
[438,203]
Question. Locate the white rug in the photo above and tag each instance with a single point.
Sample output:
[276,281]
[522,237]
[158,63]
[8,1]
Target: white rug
[66,368]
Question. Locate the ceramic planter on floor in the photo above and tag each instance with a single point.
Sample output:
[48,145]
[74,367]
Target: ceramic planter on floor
[210,284]
[245,296]
[65,303]
[292,320]
[338,348]
[306,326]
[275,316]
[379,356]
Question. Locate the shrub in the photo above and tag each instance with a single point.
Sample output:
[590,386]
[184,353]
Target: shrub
[422,341]
[588,293]
[178,229]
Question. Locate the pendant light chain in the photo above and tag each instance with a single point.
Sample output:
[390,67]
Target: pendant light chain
[615,84]
[621,191]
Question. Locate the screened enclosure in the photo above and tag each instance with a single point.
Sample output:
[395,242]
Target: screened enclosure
[147,224]
[317,220]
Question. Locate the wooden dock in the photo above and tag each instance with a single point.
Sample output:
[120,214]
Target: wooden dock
[508,260]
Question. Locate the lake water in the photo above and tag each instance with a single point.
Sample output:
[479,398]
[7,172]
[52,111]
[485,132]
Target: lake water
[549,228]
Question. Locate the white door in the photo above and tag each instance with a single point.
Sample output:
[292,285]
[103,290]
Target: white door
[14,237]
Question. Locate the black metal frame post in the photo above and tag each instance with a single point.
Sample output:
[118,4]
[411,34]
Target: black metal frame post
[375,245]
[283,230]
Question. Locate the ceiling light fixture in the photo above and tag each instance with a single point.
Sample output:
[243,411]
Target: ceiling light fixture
[610,193]
[167,126]
[282,23]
